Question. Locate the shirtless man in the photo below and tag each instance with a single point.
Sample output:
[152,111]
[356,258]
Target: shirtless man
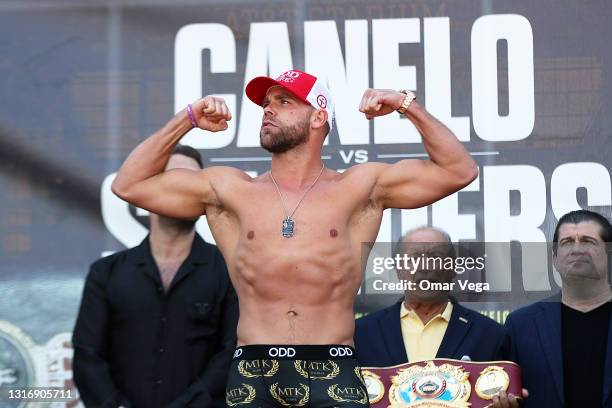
[292,236]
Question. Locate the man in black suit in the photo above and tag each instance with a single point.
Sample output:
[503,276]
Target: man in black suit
[157,323]
[564,344]
[428,324]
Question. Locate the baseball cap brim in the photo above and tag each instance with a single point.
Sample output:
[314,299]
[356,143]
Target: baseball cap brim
[258,87]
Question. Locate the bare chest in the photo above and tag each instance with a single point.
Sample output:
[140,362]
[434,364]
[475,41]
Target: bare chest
[167,270]
[320,215]
[259,222]
[329,216]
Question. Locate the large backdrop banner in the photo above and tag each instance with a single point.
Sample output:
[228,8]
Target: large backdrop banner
[526,85]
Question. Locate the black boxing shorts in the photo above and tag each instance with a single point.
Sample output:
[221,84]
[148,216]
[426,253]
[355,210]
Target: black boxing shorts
[295,376]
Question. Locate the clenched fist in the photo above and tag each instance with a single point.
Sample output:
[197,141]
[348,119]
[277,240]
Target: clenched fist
[211,113]
[379,102]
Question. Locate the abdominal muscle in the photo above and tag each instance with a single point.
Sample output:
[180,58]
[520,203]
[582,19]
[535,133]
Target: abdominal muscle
[303,296]
[289,322]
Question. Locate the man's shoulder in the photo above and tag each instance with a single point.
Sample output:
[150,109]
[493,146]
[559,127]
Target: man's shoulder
[532,310]
[225,178]
[361,181]
[363,170]
[227,171]
[108,262]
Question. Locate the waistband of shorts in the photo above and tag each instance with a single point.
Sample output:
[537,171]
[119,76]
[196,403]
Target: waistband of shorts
[294,352]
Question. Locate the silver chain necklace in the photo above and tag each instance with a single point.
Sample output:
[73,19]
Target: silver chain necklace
[288,228]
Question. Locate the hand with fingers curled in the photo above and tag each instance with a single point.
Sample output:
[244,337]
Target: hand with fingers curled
[210,113]
[503,400]
[380,102]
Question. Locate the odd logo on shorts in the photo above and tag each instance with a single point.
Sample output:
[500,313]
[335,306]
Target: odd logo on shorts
[340,351]
[281,352]
[240,395]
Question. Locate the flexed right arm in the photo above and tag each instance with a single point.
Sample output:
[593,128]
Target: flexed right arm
[178,193]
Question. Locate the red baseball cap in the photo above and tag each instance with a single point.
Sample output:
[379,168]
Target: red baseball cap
[304,86]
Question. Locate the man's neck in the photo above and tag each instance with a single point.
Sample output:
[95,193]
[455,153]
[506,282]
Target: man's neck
[585,299]
[169,243]
[425,310]
[296,168]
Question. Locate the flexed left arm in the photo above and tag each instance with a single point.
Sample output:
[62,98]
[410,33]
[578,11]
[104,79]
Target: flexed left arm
[416,183]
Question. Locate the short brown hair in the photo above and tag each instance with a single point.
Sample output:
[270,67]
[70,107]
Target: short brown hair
[190,152]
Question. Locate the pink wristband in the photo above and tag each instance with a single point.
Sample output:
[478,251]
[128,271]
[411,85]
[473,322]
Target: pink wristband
[191,117]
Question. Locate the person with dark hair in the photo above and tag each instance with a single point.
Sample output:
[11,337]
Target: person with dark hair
[291,236]
[564,344]
[157,323]
[188,151]
[428,324]
[578,216]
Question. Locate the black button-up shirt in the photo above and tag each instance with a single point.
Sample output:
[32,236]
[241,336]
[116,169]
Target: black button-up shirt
[138,346]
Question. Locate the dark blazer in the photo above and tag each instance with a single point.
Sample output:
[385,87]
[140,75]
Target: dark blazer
[535,331]
[139,346]
[379,343]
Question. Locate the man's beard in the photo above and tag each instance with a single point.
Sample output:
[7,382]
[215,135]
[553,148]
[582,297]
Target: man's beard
[177,224]
[285,138]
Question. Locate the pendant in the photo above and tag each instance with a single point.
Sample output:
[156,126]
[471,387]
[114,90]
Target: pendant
[288,227]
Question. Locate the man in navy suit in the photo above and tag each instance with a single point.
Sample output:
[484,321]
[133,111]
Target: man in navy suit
[564,345]
[428,324]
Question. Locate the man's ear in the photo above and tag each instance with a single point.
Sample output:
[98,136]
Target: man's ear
[318,118]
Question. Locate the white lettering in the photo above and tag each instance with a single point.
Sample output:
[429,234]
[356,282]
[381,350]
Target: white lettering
[188,45]
[487,31]
[387,34]
[347,80]
[569,177]
[503,227]
[436,45]
[281,352]
[117,217]
[340,351]
[445,215]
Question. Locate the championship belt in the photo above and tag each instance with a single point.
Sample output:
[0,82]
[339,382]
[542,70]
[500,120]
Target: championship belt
[441,383]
